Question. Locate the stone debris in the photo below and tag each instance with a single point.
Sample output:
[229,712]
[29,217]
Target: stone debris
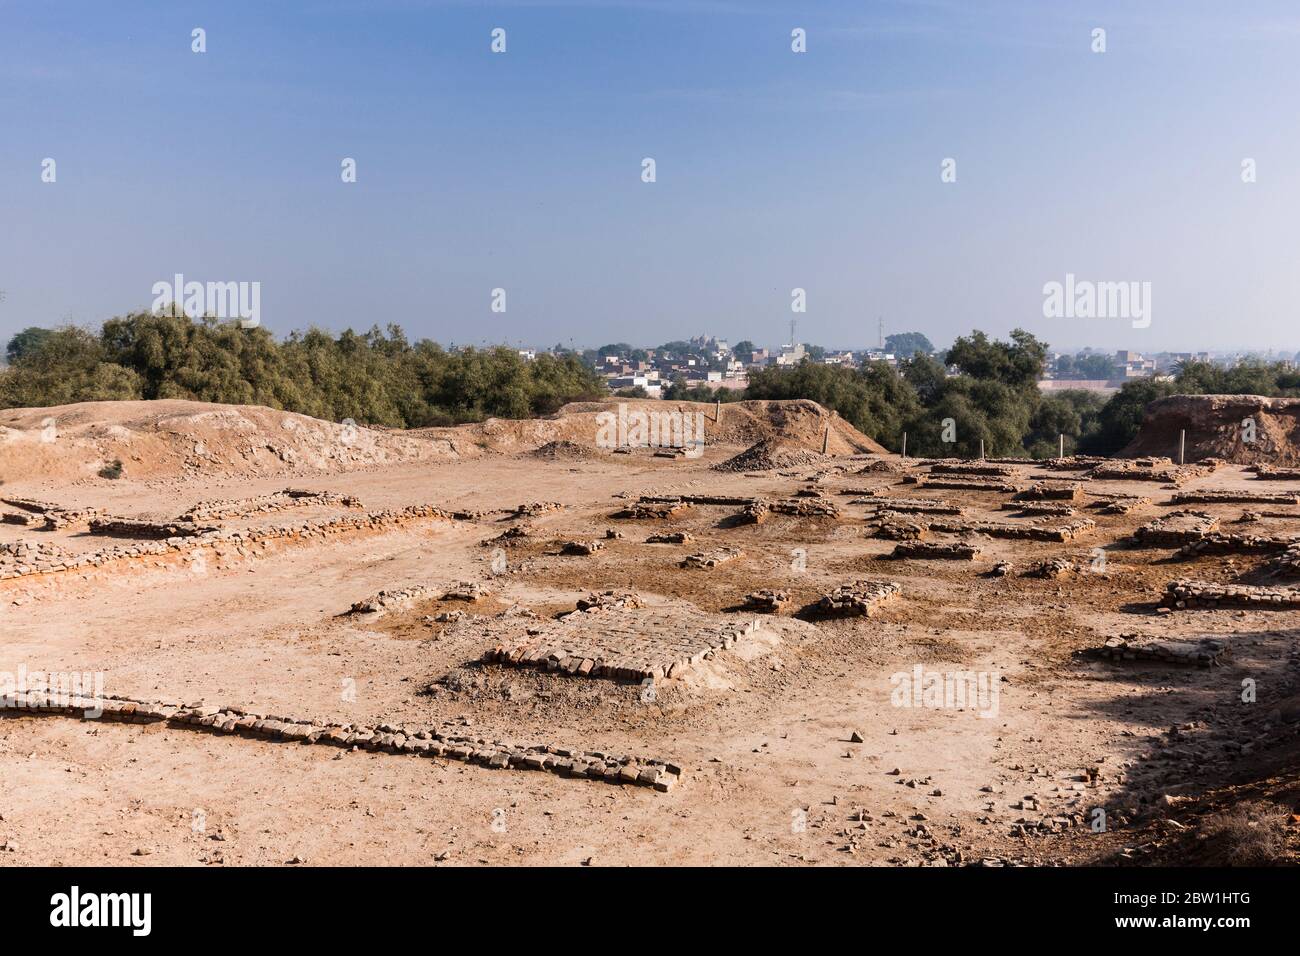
[581,549]
[711,559]
[755,512]
[470,591]
[1209,497]
[858,599]
[670,537]
[509,538]
[723,500]
[1072,463]
[1176,529]
[218,510]
[25,518]
[766,601]
[646,511]
[934,550]
[381,738]
[620,642]
[1185,593]
[385,601]
[535,508]
[1051,568]
[610,599]
[26,557]
[1199,652]
[1001,569]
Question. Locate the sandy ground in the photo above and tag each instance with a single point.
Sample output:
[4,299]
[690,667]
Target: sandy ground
[763,731]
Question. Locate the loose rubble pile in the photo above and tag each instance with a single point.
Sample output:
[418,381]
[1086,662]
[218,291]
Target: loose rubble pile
[470,591]
[858,599]
[1051,568]
[535,508]
[1185,593]
[1202,652]
[385,601]
[218,510]
[620,641]
[670,537]
[766,601]
[951,551]
[711,559]
[383,738]
[581,549]
[1176,529]
[23,557]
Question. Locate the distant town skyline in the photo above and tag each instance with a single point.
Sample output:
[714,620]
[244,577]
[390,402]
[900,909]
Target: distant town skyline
[935,162]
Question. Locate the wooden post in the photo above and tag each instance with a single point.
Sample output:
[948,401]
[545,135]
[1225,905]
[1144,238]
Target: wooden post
[904,444]
[717,411]
[1182,444]
[826,439]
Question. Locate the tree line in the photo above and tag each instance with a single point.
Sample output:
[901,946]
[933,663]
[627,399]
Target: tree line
[380,378]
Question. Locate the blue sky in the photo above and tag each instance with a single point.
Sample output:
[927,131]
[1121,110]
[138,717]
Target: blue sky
[775,170]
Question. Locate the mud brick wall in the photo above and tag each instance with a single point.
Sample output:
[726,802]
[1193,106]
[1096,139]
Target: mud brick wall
[1185,593]
[1237,497]
[620,642]
[382,738]
[858,599]
[953,551]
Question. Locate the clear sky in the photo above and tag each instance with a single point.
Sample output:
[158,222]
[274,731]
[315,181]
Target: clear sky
[775,170]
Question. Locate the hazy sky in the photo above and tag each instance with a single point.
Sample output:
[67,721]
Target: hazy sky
[775,170]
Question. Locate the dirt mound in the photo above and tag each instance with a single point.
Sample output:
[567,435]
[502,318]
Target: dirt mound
[1216,428]
[770,453]
[170,438]
[803,423]
[563,450]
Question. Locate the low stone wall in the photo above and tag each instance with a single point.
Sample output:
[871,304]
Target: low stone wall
[766,601]
[1237,497]
[954,483]
[1051,569]
[1185,593]
[148,530]
[973,468]
[950,551]
[534,508]
[804,507]
[858,599]
[1202,652]
[1176,529]
[920,506]
[218,510]
[1269,473]
[1051,492]
[1224,543]
[321,529]
[383,738]
[1026,532]
[1038,508]
[1111,504]
[391,600]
